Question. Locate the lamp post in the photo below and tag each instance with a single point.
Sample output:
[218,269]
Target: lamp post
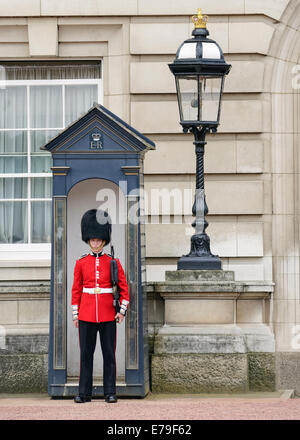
[199,69]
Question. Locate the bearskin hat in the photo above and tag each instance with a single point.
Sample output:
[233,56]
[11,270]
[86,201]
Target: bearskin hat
[96,223]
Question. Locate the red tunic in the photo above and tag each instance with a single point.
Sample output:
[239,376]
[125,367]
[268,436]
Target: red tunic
[90,272]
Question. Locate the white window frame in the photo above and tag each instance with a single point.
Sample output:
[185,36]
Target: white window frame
[36,251]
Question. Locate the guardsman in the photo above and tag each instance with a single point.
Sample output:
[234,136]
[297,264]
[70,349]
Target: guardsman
[93,305]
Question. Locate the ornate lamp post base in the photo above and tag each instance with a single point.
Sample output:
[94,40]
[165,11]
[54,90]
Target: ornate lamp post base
[200,256]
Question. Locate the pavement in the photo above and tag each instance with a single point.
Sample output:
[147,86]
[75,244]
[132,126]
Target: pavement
[280,405]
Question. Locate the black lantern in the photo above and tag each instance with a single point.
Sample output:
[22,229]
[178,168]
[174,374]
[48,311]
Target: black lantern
[199,69]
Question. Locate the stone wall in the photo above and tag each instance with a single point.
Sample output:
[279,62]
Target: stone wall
[251,164]
[24,336]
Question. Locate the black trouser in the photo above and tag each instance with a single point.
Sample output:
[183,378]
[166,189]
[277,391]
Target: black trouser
[87,341]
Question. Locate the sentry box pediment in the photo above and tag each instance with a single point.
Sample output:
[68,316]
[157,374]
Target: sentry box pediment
[97,159]
[99,132]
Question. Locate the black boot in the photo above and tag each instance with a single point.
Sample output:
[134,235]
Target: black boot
[80,399]
[111,398]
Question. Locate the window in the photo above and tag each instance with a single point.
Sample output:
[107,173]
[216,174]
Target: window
[37,101]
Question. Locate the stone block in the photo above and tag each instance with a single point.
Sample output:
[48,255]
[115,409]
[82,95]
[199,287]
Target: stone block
[285,310]
[246,269]
[8,312]
[155,116]
[283,153]
[283,199]
[33,311]
[14,50]
[283,118]
[178,157]
[89,7]
[43,36]
[259,339]
[240,116]
[205,311]
[17,8]
[284,245]
[171,157]
[220,156]
[13,34]
[223,197]
[288,371]
[83,49]
[118,104]
[165,198]
[250,239]
[156,77]
[228,197]
[159,116]
[26,344]
[249,156]
[23,373]
[199,373]
[155,307]
[287,285]
[223,238]
[271,8]
[199,343]
[118,85]
[157,38]
[200,275]
[86,33]
[244,77]
[177,7]
[152,77]
[249,311]
[262,372]
[239,31]
[174,239]
[286,71]
[287,337]
[156,272]
[24,273]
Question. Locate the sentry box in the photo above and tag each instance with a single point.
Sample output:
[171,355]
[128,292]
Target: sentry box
[98,163]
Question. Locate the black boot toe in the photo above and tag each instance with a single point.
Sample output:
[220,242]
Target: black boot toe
[80,399]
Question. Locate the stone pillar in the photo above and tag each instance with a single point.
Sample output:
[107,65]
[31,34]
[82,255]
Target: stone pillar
[216,336]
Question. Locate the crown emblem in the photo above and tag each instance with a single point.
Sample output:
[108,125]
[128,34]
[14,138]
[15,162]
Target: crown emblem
[199,20]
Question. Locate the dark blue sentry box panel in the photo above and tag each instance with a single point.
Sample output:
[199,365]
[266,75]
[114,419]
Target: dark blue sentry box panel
[99,145]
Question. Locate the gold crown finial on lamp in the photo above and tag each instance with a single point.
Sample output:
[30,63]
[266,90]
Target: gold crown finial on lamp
[199,20]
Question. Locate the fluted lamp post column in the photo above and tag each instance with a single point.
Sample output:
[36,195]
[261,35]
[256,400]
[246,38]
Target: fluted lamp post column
[199,69]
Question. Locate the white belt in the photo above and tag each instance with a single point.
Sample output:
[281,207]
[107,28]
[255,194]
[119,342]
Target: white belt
[97,290]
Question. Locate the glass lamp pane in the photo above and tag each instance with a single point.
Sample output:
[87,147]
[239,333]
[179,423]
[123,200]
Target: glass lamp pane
[199,98]
[187,93]
[210,95]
